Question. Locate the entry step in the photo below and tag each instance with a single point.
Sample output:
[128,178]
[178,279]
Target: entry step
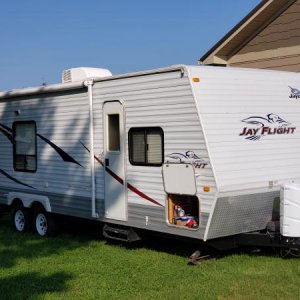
[119,233]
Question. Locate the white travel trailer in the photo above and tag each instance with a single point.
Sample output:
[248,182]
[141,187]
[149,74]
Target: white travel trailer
[197,152]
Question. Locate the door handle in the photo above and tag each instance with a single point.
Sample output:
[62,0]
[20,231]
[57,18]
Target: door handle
[106,162]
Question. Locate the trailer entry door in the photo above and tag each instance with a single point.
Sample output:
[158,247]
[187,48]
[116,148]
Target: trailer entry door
[115,187]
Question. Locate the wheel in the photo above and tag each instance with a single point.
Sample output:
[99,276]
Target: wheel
[44,223]
[21,219]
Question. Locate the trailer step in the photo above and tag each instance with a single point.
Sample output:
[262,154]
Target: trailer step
[118,233]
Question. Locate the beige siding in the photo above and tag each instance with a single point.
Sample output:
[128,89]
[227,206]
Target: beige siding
[289,63]
[282,33]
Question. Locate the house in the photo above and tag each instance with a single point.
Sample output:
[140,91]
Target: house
[267,38]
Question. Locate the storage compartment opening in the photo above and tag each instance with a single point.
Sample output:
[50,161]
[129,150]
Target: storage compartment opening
[183,211]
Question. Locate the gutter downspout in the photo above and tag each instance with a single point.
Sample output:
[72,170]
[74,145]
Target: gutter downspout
[89,84]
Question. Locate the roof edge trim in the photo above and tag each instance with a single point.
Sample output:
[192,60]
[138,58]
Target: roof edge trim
[234,29]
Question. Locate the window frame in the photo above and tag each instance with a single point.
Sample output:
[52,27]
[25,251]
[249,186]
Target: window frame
[14,126]
[146,131]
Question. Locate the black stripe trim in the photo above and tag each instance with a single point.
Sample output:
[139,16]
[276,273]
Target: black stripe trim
[7,132]
[65,156]
[16,180]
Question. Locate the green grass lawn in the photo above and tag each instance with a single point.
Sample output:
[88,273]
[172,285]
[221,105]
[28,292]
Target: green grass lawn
[84,266]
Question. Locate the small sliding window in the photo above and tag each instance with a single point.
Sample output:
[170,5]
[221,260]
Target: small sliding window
[24,149]
[146,146]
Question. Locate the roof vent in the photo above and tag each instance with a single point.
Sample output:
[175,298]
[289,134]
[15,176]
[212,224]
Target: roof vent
[78,74]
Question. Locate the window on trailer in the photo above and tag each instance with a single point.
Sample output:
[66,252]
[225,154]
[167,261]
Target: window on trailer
[24,150]
[114,132]
[146,146]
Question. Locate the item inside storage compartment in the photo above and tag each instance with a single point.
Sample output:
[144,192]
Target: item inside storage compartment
[183,210]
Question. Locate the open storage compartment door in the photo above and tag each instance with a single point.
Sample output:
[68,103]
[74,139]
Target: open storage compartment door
[183,210]
[182,202]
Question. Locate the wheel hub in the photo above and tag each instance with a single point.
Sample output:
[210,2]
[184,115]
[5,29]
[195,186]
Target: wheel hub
[19,220]
[41,224]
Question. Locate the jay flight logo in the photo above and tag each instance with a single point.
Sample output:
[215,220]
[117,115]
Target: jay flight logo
[262,126]
[189,157]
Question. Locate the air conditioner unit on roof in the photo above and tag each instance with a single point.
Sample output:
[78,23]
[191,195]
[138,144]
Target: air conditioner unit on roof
[79,74]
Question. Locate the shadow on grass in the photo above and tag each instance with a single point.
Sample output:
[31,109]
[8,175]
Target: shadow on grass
[167,244]
[173,245]
[76,233]
[31,285]
[14,245]
[186,247]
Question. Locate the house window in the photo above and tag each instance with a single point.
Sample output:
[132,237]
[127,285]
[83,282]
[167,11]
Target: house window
[146,146]
[24,134]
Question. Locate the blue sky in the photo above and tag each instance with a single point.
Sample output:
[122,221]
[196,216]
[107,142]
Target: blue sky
[41,38]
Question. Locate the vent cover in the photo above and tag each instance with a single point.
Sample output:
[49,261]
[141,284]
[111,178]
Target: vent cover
[79,74]
[66,77]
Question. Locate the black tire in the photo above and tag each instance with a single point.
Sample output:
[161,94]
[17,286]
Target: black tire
[21,219]
[44,223]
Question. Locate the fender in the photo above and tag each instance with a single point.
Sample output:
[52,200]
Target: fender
[28,199]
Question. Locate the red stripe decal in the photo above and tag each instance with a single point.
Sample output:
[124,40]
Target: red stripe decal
[141,194]
[114,175]
[121,181]
[99,161]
